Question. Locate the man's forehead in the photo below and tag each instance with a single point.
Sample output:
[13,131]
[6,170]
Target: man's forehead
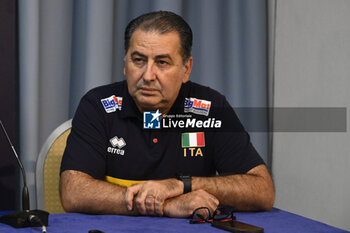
[154,32]
[159,44]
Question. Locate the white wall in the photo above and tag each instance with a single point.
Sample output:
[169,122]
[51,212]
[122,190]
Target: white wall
[312,69]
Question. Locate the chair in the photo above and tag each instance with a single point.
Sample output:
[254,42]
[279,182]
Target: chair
[48,169]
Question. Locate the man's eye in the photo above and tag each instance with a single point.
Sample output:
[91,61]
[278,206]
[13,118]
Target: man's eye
[138,60]
[161,62]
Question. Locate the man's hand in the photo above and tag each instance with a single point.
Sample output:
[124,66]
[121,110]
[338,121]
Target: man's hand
[184,205]
[149,196]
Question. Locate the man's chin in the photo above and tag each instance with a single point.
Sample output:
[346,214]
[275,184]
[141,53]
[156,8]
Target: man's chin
[148,105]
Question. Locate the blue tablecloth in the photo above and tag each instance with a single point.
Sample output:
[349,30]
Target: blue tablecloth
[274,221]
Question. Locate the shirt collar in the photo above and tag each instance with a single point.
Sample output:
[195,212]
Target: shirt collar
[129,108]
[178,106]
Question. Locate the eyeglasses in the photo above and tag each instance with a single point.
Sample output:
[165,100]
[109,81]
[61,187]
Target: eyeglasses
[221,214]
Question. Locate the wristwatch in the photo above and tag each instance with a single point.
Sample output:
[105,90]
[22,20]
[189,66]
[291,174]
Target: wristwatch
[187,180]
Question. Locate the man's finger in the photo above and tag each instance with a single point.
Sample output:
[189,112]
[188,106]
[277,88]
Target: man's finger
[129,196]
[213,203]
[158,206]
[140,200]
[149,204]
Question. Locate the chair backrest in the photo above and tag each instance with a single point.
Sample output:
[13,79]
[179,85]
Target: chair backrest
[48,169]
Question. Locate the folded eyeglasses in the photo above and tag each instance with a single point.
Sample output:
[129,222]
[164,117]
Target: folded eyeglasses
[222,214]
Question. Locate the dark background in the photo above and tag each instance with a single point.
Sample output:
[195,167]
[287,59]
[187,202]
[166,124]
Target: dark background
[8,102]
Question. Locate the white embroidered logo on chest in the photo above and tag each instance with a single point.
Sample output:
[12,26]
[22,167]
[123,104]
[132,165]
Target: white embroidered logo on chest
[116,142]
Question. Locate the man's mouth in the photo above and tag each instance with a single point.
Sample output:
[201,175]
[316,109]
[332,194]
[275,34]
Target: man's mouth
[148,90]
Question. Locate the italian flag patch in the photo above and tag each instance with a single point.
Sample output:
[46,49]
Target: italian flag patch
[193,139]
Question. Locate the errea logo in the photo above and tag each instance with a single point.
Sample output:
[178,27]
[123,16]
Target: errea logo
[119,142]
[116,142]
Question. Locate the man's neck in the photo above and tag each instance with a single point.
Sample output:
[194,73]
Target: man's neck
[163,111]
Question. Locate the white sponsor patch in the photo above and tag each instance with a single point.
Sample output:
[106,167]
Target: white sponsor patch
[197,106]
[112,103]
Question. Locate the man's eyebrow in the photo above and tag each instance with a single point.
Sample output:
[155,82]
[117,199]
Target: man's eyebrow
[162,56]
[138,54]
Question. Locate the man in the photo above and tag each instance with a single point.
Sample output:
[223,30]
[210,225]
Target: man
[112,165]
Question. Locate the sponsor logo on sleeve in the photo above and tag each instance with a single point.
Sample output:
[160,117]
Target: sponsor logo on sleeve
[112,103]
[197,106]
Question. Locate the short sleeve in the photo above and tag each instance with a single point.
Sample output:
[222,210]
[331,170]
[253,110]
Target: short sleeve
[85,150]
[234,152]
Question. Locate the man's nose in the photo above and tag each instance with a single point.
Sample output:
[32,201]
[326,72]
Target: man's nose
[149,74]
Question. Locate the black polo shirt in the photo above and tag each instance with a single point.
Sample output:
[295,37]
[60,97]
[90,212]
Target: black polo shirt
[108,139]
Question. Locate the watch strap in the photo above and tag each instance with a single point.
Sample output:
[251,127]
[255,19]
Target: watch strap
[187,181]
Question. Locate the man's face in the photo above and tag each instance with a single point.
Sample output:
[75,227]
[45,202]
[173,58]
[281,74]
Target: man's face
[154,69]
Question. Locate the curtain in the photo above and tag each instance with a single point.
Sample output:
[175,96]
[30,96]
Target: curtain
[68,47]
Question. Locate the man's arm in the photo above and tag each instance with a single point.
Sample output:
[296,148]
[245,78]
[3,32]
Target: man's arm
[252,191]
[82,193]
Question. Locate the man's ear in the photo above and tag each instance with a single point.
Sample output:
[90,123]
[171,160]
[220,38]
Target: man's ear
[124,65]
[188,69]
